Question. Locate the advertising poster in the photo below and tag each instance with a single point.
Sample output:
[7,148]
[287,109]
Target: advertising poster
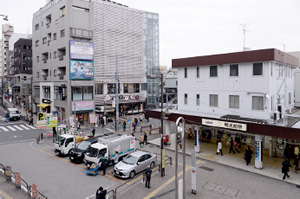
[71,120]
[81,50]
[8,173]
[81,70]
[18,180]
[93,119]
[83,105]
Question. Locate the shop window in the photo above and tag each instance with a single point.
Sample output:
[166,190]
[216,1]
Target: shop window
[213,100]
[213,71]
[234,101]
[111,88]
[99,89]
[131,88]
[257,103]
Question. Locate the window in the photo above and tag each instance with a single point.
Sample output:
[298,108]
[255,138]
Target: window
[57,93]
[234,70]
[37,27]
[37,43]
[213,71]
[44,40]
[185,98]
[62,11]
[257,69]
[46,90]
[213,100]
[111,88]
[37,58]
[62,33]
[290,98]
[143,86]
[234,101]
[82,93]
[37,91]
[54,36]
[55,72]
[197,72]
[185,72]
[54,54]
[257,103]
[87,92]
[37,74]
[198,100]
[76,93]
[132,88]
[99,89]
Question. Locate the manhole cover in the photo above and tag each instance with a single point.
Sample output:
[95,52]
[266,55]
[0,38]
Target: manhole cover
[206,168]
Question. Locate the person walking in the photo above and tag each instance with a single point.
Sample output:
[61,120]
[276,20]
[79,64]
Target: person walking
[103,160]
[231,146]
[285,168]
[93,132]
[101,193]
[248,155]
[219,149]
[142,141]
[116,158]
[148,173]
[145,138]
[124,126]
[141,118]
[296,151]
[296,163]
[30,121]
[136,121]
[7,117]
[133,126]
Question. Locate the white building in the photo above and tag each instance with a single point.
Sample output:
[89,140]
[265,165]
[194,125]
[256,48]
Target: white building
[251,84]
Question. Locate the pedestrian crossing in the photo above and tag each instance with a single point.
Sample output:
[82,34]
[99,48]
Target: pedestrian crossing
[19,127]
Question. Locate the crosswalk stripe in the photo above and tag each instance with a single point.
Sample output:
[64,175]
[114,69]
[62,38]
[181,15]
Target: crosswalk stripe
[3,128]
[11,128]
[17,127]
[24,127]
[30,126]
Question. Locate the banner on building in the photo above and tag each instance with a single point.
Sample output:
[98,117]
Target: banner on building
[81,70]
[81,50]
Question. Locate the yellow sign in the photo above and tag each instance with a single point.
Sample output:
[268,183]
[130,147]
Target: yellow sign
[163,158]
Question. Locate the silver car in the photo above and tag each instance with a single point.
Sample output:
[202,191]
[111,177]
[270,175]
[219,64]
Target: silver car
[134,163]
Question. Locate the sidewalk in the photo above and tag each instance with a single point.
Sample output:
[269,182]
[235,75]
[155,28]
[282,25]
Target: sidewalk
[271,166]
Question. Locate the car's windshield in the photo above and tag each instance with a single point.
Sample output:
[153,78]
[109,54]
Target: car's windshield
[92,152]
[14,112]
[130,159]
[60,140]
[84,145]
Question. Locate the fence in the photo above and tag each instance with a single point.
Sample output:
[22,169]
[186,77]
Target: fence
[24,184]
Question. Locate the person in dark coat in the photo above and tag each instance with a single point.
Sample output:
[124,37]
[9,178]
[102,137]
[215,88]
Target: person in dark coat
[288,153]
[248,155]
[296,164]
[93,132]
[148,173]
[285,168]
[124,126]
[101,193]
[145,138]
[231,146]
[136,121]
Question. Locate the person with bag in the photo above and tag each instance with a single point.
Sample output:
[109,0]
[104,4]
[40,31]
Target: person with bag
[103,162]
[124,126]
[148,173]
[231,146]
[101,193]
[248,155]
[219,149]
[145,138]
[285,168]
[30,121]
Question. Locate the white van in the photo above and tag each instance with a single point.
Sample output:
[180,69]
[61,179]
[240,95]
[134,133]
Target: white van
[14,114]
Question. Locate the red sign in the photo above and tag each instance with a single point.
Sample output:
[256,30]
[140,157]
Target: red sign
[35,192]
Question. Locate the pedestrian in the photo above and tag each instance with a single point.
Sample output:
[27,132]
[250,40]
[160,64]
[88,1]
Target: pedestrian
[102,122]
[104,119]
[30,121]
[296,163]
[285,168]
[133,126]
[145,138]
[124,126]
[148,173]
[219,150]
[101,193]
[248,155]
[136,121]
[296,151]
[93,132]
[231,145]
[103,162]
[7,117]
[141,118]
[190,133]
[78,126]
[54,131]
[116,158]
[147,119]
[288,153]
[142,141]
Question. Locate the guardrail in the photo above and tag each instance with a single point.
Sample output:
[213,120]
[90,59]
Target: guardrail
[23,183]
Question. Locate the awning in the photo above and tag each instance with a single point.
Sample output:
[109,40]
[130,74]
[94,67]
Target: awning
[43,105]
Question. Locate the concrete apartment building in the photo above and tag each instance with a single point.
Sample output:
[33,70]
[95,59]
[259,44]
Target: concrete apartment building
[76,45]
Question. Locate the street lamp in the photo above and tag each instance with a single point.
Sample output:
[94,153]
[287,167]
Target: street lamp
[161,77]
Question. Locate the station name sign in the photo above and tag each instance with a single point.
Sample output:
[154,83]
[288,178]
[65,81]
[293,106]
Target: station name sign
[226,125]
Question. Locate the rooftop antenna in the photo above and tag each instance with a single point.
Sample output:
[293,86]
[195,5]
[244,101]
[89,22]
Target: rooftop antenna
[244,31]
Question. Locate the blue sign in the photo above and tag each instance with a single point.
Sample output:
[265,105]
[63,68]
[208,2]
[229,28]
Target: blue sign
[82,70]
[81,50]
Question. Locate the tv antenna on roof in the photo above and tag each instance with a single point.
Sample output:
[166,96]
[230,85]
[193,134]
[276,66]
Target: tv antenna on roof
[244,31]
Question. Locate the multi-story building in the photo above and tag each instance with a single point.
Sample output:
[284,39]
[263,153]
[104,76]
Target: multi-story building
[76,47]
[22,70]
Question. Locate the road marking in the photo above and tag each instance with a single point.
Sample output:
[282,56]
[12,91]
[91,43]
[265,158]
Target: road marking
[24,127]
[3,128]
[11,128]
[30,126]
[17,127]
[4,195]
[110,130]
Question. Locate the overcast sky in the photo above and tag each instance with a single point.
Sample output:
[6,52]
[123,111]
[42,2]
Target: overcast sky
[200,27]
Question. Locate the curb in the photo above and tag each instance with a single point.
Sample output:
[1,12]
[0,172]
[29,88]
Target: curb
[292,183]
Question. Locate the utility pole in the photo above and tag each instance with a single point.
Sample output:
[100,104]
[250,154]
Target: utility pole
[117,96]
[244,32]
[74,118]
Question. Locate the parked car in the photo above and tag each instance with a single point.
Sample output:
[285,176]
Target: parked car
[134,163]
[77,154]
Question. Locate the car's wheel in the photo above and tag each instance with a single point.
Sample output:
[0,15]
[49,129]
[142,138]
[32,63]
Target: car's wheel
[152,165]
[132,174]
